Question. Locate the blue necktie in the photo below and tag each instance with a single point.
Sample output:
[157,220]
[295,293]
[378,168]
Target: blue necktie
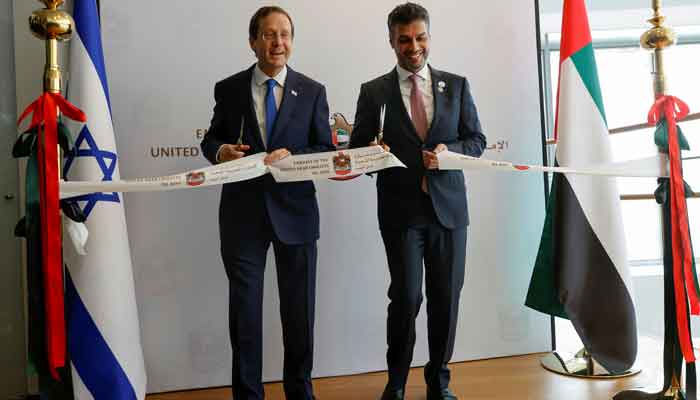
[270,108]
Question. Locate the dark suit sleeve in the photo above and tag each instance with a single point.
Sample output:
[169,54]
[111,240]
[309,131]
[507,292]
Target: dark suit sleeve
[320,138]
[214,137]
[366,125]
[471,140]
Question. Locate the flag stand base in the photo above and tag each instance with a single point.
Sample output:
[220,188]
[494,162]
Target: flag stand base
[671,394]
[581,365]
[674,392]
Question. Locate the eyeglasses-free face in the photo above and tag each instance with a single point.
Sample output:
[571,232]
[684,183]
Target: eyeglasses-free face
[411,43]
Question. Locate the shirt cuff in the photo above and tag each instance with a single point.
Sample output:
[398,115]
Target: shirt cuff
[218,152]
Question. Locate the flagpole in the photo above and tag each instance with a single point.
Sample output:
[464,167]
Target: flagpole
[51,25]
[657,39]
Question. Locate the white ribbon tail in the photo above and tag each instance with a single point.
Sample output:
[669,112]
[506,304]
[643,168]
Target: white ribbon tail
[78,233]
[650,167]
[227,172]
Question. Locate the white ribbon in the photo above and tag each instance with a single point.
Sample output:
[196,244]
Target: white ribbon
[344,164]
[232,171]
[651,167]
[334,164]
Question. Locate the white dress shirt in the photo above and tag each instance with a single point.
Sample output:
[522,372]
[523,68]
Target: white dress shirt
[259,88]
[425,87]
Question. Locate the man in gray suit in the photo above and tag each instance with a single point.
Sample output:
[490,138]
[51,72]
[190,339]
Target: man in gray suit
[422,210]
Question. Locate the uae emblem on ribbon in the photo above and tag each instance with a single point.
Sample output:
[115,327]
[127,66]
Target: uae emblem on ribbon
[195,178]
[342,163]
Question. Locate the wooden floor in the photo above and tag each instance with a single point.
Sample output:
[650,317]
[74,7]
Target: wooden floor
[507,378]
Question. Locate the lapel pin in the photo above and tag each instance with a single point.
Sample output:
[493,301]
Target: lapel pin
[294,92]
[441,86]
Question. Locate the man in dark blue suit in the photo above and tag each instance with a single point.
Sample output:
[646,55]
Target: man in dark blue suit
[422,210]
[269,108]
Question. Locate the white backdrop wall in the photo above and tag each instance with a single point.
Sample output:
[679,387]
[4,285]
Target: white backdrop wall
[163,58]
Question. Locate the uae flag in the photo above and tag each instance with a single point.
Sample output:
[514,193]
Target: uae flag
[581,268]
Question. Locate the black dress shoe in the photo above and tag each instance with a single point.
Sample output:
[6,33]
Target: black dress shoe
[392,394]
[443,394]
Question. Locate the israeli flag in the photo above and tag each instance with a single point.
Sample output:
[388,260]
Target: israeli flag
[103,327]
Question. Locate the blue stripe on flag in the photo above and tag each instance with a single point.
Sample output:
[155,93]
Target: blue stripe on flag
[91,356]
[87,24]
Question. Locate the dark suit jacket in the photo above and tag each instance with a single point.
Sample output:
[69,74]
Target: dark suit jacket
[302,127]
[455,124]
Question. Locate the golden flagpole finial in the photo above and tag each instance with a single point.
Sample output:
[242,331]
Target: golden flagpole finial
[52,4]
[657,39]
[52,25]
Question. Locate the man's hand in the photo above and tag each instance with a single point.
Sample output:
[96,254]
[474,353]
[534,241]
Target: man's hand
[230,152]
[430,160]
[276,155]
[381,143]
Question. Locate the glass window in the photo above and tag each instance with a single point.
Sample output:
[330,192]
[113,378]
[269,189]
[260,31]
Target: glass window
[624,70]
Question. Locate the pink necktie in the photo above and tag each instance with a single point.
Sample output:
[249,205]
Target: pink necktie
[418,115]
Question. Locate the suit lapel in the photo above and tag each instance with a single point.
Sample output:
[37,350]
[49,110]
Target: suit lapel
[439,98]
[251,127]
[289,101]
[396,101]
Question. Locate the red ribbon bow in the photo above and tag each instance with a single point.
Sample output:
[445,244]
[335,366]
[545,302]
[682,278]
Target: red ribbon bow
[45,110]
[673,109]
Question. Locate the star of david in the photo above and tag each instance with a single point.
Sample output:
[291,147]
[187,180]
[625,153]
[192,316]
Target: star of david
[106,161]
